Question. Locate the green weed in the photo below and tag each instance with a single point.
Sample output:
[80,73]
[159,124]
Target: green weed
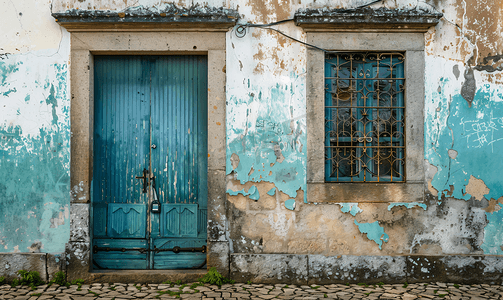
[315,287]
[58,278]
[196,284]
[363,284]
[380,284]
[405,285]
[213,277]
[36,294]
[29,278]
[94,293]
[15,282]
[325,296]
[178,282]
[456,285]
[248,282]
[2,280]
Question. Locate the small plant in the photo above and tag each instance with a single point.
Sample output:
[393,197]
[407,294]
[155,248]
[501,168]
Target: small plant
[36,294]
[286,286]
[213,277]
[138,287]
[182,286]
[2,280]
[425,284]
[315,287]
[196,284]
[112,288]
[58,278]
[78,282]
[248,282]
[15,282]
[442,295]
[435,291]
[94,293]
[456,285]
[178,282]
[368,293]
[244,289]
[380,284]
[325,296]
[405,285]
[30,278]
[347,284]
[363,284]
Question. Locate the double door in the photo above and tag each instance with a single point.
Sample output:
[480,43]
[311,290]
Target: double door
[149,190]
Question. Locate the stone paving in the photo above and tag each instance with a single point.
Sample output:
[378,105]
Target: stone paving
[118,291]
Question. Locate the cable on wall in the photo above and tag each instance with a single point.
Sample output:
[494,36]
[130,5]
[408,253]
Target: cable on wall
[240,31]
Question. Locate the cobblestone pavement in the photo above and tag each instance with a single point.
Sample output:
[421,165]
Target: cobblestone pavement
[117,291]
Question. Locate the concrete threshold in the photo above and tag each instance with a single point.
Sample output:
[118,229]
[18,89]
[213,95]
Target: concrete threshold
[146,276]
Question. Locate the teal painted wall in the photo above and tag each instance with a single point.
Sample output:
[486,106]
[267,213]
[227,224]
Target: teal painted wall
[34,155]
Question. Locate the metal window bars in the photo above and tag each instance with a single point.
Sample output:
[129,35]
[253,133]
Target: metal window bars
[364,117]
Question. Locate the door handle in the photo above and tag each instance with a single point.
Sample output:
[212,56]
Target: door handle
[145,178]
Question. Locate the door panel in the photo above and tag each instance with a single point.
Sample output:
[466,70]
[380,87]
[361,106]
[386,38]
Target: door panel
[179,220]
[182,260]
[127,220]
[150,113]
[118,259]
[179,129]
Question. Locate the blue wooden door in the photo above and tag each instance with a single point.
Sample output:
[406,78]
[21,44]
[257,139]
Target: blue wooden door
[150,150]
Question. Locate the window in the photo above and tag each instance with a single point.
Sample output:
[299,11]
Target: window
[364,117]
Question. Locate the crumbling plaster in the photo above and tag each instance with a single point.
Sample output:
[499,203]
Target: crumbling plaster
[34,130]
[266,135]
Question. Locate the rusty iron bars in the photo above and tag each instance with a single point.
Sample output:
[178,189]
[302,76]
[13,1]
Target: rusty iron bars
[364,117]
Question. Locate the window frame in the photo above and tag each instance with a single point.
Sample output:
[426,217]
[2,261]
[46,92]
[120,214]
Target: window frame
[412,45]
[361,102]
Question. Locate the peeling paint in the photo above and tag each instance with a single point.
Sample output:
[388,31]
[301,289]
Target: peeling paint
[374,232]
[352,208]
[252,192]
[34,154]
[290,204]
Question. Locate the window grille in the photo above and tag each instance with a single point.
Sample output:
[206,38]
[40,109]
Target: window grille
[364,117]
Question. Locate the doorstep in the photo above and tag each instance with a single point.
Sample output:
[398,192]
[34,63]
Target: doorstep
[145,276]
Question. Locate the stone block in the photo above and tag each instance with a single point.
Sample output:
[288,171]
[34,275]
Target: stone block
[55,262]
[269,268]
[348,268]
[79,222]
[218,257]
[425,269]
[473,269]
[10,263]
[77,260]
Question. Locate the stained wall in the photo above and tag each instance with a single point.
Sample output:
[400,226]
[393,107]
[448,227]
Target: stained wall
[34,129]
[268,209]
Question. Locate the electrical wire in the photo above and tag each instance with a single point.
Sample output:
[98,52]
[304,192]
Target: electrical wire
[240,31]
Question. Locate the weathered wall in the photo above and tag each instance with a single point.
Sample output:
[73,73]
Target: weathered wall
[34,129]
[268,209]
[267,154]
